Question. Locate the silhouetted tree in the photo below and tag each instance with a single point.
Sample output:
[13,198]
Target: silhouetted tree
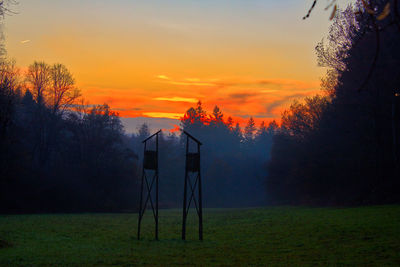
[62,91]
[8,95]
[144,131]
[249,130]
[217,116]
[340,148]
[232,170]
[56,155]
[39,79]
[272,128]
[229,123]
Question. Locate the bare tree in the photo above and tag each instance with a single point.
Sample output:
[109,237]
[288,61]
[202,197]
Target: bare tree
[5,7]
[9,75]
[53,86]
[377,15]
[39,78]
[62,92]
[369,6]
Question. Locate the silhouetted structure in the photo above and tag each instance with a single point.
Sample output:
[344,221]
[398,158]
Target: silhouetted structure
[192,166]
[150,162]
[396,127]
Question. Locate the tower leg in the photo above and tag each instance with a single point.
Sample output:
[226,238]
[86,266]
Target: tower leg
[200,200]
[140,207]
[184,213]
[184,210]
[156,218]
[200,211]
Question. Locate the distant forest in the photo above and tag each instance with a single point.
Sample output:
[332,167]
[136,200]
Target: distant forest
[342,147]
[61,156]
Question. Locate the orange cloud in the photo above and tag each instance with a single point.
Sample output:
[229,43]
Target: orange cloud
[186,81]
[146,66]
[240,98]
[177,99]
[163,115]
[163,77]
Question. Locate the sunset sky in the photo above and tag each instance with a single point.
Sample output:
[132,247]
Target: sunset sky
[158,58]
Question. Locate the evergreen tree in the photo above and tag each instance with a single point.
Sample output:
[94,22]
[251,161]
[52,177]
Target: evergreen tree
[217,116]
[272,128]
[143,131]
[229,123]
[250,130]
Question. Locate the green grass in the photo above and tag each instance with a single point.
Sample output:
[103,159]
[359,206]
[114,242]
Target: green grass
[279,236]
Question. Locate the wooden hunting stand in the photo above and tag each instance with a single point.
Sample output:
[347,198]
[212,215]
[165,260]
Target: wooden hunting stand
[150,163]
[192,166]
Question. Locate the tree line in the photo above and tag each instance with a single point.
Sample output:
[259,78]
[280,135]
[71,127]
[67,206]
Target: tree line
[342,147]
[233,159]
[59,153]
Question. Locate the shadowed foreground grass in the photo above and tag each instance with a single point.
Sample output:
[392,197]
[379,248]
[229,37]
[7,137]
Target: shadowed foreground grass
[262,236]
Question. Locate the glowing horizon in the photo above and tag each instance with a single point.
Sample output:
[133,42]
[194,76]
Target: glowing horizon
[158,58]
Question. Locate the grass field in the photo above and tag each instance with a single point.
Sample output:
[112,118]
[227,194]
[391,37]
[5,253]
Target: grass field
[367,236]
